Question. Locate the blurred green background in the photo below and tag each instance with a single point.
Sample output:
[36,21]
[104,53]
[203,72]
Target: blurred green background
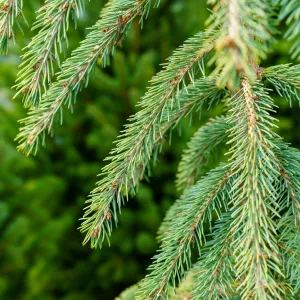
[42,197]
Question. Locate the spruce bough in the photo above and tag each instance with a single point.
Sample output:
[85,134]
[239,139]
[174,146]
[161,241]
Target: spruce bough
[252,250]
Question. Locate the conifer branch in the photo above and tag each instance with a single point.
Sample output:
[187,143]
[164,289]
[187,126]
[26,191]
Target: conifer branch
[200,151]
[214,272]
[285,79]
[10,11]
[291,12]
[288,159]
[195,157]
[106,34]
[244,26]
[290,170]
[43,51]
[258,262]
[141,139]
[210,194]
[289,223]
[132,156]
[254,252]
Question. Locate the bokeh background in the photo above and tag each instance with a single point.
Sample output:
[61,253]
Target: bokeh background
[42,197]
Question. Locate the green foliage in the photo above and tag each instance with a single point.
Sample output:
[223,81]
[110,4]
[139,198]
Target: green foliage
[162,108]
[185,230]
[289,223]
[252,252]
[245,29]
[10,11]
[181,292]
[42,56]
[285,79]
[128,294]
[254,194]
[215,271]
[201,150]
[290,10]
[42,199]
[74,75]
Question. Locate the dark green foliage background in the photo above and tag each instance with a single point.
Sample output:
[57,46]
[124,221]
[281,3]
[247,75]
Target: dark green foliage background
[41,198]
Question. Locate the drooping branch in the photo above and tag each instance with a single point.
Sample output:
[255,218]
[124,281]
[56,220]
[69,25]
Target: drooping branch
[42,54]
[258,262]
[10,11]
[209,195]
[106,34]
[141,141]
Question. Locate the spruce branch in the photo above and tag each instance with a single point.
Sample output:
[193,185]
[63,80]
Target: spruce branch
[288,225]
[290,170]
[254,252]
[285,79]
[245,27]
[258,262]
[141,139]
[209,195]
[10,11]
[215,271]
[106,34]
[200,151]
[132,155]
[290,10]
[38,66]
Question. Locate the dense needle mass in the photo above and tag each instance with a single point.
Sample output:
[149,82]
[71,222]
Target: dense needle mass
[250,202]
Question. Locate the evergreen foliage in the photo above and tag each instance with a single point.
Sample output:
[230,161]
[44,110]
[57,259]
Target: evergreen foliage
[290,10]
[201,150]
[252,251]
[215,271]
[105,35]
[10,12]
[42,56]
[246,29]
[254,194]
[285,79]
